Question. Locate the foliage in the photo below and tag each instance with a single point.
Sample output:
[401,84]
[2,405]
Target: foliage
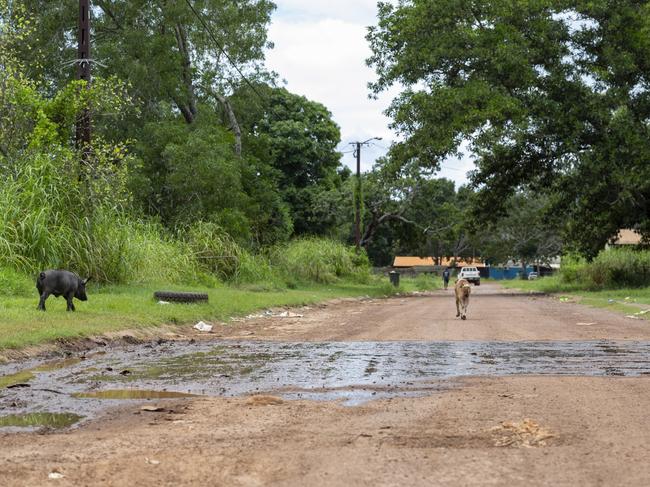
[298,139]
[417,215]
[549,94]
[218,254]
[620,268]
[320,260]
[611,269]
[523,234]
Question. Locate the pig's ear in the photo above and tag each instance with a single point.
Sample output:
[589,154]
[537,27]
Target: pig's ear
[86,280]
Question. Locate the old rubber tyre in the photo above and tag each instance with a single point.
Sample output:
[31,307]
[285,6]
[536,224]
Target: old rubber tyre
[180,297]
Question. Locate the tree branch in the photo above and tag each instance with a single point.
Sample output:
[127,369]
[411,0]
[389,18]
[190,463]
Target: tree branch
[101,4]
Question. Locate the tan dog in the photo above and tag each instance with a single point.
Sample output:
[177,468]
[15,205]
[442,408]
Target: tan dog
[462,290]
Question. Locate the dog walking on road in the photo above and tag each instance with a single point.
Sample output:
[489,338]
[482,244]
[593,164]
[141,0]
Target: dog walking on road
[462,291]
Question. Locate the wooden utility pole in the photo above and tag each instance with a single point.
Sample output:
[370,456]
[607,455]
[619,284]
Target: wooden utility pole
[357,200]
[83,136]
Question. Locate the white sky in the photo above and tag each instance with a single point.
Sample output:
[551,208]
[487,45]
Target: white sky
[320,50]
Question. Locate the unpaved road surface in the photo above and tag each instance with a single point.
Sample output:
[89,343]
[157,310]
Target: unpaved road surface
[482,430]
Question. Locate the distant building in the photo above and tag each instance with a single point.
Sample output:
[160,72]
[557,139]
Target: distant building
[403,262]
[407,262]
[626,236]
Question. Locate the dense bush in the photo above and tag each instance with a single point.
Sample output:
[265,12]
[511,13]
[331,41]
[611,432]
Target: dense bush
[573,269]
[320,260]
[612,268]
[617,268]
[218,254]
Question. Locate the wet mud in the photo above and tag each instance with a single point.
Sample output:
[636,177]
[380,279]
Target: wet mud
[58,394]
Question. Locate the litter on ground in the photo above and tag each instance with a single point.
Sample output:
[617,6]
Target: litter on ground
[526,433]
[271,314]
[203,326]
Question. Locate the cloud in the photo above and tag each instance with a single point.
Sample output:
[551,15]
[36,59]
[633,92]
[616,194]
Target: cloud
[320,50]
[358,11]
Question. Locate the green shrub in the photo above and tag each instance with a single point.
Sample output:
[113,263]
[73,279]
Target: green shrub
[616,268]
[573,269]
[612,268]
[320,260]
[426,282]
[217,253]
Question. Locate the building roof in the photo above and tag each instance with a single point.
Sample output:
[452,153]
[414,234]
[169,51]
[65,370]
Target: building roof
[458,262]
[627,236]
[402,261]
[412,261]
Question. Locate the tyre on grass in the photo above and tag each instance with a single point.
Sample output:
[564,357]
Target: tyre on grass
[181,297]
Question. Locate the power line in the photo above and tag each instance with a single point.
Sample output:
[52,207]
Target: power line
[212,36]
[451,168]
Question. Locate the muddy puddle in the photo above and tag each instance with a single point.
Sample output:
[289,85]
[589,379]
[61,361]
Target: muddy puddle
[353,372]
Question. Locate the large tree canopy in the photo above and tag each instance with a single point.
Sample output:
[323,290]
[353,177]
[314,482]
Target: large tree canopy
[552,95]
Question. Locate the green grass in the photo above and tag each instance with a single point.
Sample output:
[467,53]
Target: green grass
[625,300]
[114,308]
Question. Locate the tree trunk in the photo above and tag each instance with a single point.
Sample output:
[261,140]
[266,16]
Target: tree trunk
[187,108]
[234,125]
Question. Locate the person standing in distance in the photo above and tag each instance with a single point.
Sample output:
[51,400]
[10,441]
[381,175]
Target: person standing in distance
[445,277]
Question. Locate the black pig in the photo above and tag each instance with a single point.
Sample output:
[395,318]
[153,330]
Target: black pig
[61,283]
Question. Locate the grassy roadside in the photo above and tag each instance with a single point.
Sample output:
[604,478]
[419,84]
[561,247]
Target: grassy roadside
[628,301]
[115,308]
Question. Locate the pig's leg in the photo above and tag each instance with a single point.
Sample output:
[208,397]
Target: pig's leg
[41,302]
[70,307]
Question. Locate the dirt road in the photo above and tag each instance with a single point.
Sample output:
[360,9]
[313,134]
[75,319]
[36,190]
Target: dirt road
[495,314]
[513,430]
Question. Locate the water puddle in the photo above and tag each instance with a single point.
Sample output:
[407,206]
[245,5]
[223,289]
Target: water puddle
[39,420]
[127,394]
[13,380]
[353,372]
[24,376]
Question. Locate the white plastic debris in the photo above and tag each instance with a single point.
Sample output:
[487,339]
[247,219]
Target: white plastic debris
[151,461]
[163,302]
[55,475]
[203,326]
[270,314]
[289,314]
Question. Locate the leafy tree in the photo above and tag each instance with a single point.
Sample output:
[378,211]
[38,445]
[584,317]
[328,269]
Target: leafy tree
[551,95]
[524,235]
[414,216]
[298,138]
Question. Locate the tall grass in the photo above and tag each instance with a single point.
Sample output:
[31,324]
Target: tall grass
[611,269]
[52,220]
[321,261]
[218,254]
[48,222]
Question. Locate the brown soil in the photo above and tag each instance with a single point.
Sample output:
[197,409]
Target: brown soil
[523,430]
